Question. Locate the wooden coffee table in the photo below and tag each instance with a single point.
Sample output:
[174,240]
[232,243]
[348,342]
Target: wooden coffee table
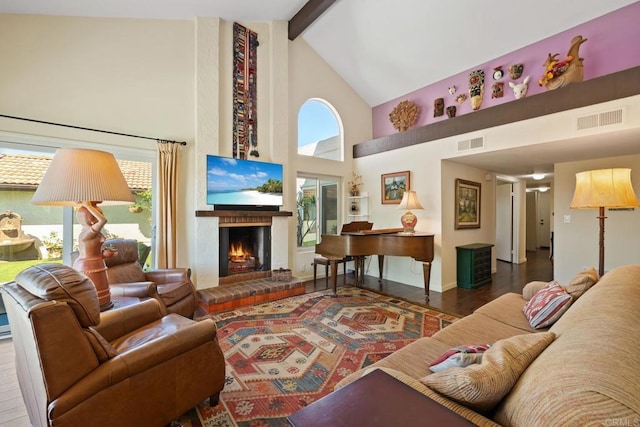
[376,400]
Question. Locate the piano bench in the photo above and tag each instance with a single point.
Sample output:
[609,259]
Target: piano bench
[320,260]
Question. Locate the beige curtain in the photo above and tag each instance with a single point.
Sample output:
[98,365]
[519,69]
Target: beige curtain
[167,184]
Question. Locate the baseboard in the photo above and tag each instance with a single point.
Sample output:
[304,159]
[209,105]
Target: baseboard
[448,286]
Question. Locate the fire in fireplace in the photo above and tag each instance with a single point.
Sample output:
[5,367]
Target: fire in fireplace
[240,259]
[244,249]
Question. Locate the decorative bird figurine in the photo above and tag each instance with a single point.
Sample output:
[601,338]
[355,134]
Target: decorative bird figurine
[561,73]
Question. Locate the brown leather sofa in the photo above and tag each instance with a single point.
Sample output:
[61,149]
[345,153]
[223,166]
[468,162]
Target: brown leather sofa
[132,366]
[175,289]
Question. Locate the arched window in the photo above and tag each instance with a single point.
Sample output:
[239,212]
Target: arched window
[319,131]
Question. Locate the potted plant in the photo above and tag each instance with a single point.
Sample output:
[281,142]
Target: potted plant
[354,184]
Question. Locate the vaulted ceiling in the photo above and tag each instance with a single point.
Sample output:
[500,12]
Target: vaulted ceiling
[385,49]
[381,48]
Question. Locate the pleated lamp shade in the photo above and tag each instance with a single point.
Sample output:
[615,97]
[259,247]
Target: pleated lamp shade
[409,220]
[80,175]
[410,201]
[609,188]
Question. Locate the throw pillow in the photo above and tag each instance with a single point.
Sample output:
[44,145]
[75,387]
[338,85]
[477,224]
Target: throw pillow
[532,288]
[459,356]
[482,386]
[582,282]
[546,307]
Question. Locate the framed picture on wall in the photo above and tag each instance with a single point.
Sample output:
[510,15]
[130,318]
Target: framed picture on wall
[467,209]
[393,185]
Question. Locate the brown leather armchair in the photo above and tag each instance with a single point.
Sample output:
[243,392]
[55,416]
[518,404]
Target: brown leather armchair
[126,367]
[126,278]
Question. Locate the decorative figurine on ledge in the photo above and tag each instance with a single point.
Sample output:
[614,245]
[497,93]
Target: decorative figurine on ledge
[515,71]
[498,73]
[404,115]
[520,89]
[569,70]
[476,88]
[497,90]
[438,107]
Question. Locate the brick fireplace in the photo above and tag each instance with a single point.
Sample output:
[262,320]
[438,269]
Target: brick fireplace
[244,249]
[263,235]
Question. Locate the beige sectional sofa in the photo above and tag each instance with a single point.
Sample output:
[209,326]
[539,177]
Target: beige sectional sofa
[588,375]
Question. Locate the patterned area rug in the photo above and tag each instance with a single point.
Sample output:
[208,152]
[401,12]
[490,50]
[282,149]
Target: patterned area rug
[283,355]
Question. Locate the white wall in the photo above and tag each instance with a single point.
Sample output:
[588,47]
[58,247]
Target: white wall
[125,75]
[311,77]
[452,237]
[576,243]
[131,76]
[172,79]
[435,182]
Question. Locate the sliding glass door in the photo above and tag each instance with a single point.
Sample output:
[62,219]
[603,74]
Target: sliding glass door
[317,209]
[41,234]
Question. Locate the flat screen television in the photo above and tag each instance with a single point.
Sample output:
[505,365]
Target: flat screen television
[243,184]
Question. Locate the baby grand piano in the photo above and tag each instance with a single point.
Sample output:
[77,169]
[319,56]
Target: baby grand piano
[390,241]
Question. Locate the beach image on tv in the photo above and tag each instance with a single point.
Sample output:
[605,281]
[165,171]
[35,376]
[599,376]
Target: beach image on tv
[243,182]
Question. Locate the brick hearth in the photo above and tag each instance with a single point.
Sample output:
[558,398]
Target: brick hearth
[248,292]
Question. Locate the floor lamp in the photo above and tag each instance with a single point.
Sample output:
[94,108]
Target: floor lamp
[600,189]
[84,179]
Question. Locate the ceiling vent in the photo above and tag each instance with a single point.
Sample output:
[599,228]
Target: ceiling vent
[593,121]
[471,144]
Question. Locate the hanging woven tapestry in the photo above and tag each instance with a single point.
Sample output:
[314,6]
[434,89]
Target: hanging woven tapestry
[245,120]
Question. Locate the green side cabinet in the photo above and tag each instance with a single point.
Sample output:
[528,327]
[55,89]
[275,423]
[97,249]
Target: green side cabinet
[473,265]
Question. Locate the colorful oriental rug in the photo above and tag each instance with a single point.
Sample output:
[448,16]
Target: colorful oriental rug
[284,355]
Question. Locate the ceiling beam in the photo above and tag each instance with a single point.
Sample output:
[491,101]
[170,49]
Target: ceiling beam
[305,16]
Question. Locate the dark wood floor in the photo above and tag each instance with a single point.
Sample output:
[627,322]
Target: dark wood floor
[508,278]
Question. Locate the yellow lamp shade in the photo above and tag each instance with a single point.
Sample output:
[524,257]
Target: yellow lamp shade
[610,188]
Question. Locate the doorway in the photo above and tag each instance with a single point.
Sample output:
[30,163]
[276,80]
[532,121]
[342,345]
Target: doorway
[538,220]
[504,221]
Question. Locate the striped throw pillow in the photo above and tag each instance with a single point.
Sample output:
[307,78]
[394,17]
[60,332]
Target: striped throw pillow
[460,356]
[546,307]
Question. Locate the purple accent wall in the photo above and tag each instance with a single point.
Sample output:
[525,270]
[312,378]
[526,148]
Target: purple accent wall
[613,45]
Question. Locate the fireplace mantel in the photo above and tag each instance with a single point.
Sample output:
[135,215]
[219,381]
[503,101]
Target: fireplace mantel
[209,229]
[237,218]
[242,214]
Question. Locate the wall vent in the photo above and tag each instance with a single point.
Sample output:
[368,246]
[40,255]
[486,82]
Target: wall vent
[471,144]
[476,143]
[607,118]
[463,145]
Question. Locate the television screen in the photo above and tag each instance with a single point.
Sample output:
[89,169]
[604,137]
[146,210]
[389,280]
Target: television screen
[237,182]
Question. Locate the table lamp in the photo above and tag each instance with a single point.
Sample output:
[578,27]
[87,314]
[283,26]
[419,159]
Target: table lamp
[85,178]
[409,220]
[604,188]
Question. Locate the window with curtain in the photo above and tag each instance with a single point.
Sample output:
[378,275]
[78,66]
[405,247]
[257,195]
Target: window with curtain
[37,234]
